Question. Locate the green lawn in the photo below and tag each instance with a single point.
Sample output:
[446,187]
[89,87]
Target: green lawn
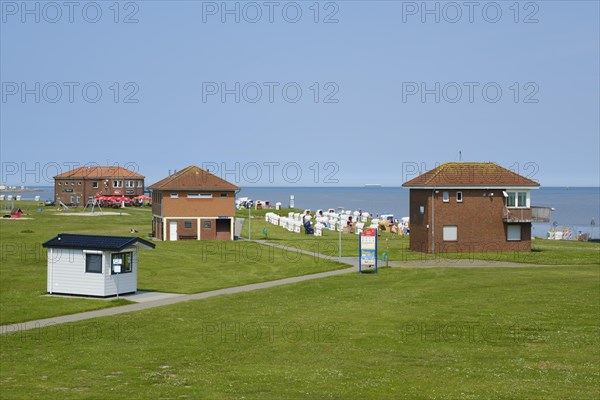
[181,267]
[544,252]
[442,333]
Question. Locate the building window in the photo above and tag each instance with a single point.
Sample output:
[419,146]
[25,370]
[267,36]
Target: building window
[59,183]
[223,194]
[206,224]
[516,199]
[93,263]
[139,184]
[513,232]
[446,197]
[122,259]
[459,197]
[72,183]
[129,184]
[174,195]
[187,224]
[450,233]
[521,199]
[117,184]
[72,199]
[95,185]
[79,183]
[199,196]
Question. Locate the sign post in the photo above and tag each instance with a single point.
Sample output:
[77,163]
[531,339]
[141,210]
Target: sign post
[367,253]
[117,268]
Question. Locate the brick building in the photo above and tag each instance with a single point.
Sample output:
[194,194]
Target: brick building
[470,207]
[80,185]
[193,204]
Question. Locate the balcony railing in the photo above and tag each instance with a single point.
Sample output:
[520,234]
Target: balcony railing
[517,215]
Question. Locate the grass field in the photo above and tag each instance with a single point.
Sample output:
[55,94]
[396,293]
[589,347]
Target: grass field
[481,333]
[181,267]
[544,252]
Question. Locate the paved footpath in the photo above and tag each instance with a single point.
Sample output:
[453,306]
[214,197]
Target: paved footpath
[352,261]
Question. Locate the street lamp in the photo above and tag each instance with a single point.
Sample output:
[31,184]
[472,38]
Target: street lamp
[340,209]
[249,220]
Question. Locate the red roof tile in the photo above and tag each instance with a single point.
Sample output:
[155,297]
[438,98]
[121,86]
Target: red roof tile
[98,173]
[193,178]
[466,174]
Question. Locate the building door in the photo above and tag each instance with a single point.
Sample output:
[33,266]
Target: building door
[173,230]
[223,229]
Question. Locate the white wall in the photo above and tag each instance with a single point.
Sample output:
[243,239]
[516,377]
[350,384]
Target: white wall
[127,282]
[66,274]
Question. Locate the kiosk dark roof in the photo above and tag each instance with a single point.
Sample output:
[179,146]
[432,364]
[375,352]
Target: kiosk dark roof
[113,243]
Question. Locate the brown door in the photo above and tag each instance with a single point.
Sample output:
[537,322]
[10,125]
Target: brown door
[223,229]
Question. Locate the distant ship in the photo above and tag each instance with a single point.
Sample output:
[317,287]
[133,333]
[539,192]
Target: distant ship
[372,184]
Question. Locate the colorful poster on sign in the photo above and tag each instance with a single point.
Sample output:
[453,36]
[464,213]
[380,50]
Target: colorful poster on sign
[368,249]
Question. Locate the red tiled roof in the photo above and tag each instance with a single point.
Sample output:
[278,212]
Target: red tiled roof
[193,178]
[98,173]
[465,174]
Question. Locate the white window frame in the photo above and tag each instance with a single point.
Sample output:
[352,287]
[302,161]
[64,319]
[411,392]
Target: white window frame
[117,184]
[95,185]
[515,193]
[446,197]
[174,195]
[450,233]
[139,184]
[199,195]
[459,194]
[124,255]
[129,184]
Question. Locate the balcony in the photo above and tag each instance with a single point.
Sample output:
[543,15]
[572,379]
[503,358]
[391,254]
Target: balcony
[517,215]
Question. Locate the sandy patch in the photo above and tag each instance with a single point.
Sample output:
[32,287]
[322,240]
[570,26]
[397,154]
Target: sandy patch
[92,214]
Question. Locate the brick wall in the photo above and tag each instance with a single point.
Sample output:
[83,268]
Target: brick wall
[479,221]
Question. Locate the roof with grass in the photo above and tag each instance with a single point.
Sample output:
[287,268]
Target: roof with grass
[96,242]
[193,178]
[470,174]
[99,172]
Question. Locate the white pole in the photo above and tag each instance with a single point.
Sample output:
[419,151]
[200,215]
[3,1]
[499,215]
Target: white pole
[340,234]
[249,221]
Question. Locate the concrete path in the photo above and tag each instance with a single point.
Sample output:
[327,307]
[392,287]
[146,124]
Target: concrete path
[147,300]
[145,297]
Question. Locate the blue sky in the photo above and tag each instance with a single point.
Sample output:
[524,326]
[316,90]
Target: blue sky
[385,89]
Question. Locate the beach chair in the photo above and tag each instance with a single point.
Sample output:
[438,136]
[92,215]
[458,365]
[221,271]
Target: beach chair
[359,228]
[308,229]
